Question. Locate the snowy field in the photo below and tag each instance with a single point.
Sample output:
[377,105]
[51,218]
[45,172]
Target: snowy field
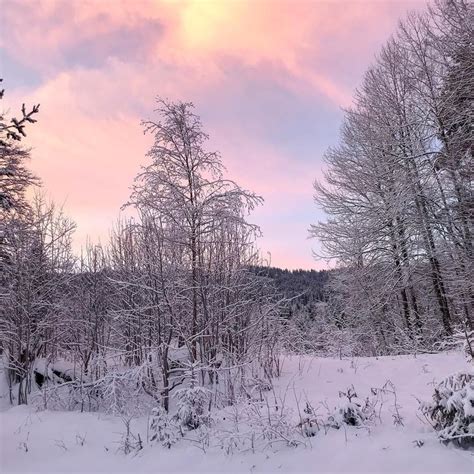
[90,442]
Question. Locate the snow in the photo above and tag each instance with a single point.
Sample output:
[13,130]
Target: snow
[47,441]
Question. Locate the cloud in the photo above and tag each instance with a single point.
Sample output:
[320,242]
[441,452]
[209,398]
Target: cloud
[268,78]
[184,35]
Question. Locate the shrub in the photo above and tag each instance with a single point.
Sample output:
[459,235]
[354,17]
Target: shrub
[351,411]
[451,412]
[162,429]
[192,403]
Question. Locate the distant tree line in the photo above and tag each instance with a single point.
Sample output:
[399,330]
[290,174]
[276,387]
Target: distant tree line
[300,286]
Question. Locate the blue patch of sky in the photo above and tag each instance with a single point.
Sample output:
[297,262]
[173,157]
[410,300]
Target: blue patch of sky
[301,125]
[15,74]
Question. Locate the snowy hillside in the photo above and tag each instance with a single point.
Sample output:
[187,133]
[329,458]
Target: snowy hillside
[396,440]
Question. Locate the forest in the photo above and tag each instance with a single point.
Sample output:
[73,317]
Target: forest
[178,318]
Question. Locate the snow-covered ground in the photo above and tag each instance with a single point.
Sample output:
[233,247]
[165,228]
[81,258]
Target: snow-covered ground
[47,441]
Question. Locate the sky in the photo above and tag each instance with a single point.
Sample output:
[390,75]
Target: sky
[269,78]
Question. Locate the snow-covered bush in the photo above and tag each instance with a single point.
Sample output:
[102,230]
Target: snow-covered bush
[192,406]
[351,411]
[162,429]
[193,400]
[452,410]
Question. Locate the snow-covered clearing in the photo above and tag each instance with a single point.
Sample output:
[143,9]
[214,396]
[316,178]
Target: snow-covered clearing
[89,442]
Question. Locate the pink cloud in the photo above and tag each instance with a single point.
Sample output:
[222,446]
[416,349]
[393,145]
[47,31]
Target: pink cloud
[195,34]
[88,144]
